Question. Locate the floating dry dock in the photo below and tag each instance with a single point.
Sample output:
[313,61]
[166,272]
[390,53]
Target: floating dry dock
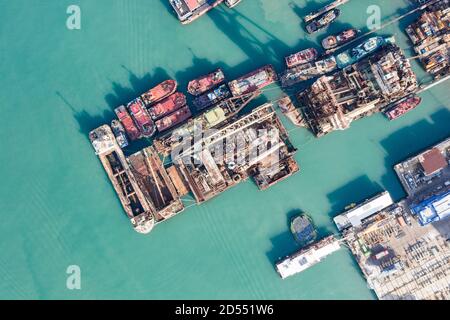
[122,178]
[254,145]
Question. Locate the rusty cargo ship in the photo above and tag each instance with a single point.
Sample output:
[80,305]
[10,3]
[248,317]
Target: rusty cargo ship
[167,106]
[206,82]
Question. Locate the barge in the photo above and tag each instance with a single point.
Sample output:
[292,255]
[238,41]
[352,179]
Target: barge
[173,119]
[206,82]
[402,107]
[253,81]
[211,98]
[340,39]
[301,57]
[167,106]
[133,201]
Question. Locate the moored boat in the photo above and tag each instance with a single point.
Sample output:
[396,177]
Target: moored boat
[301,57]
[232,3]
[324,9]
[190,10]
[212,97]
[119,133]
[167,106]
[340,39]
[323,21]
[253,81]
[303,230]
[206,82]
[361,51]
[141,117]
[130,127]
[308,71]
[173,119]
[402,107]
[161,91]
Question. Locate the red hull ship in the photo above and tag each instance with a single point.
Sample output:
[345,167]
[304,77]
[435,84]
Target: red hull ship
[130,128]
[253,81]
[301,57]
[402,107]
[141,117]
[173,119]
[206,82]
[167,106]
[161,91]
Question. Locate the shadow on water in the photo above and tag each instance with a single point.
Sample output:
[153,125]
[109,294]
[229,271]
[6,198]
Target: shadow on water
[284,243]
[355,191]
[122,95]
[234,25]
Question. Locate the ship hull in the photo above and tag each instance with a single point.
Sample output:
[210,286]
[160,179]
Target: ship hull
[253,81]
[322,21]
[128,123]
[301,57]
[403,107]
[167,106]
[141,117]
[211,98]
[173,119]
[158,93]
[207,82]
[335,41]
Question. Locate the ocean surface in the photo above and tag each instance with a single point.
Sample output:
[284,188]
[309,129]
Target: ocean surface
[57,205]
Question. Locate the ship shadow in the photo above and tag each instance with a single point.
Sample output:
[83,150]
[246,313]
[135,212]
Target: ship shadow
[284,243]
[121,94]
[170,9]
[356,191]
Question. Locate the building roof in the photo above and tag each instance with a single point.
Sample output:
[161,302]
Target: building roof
[354,216]
[433,161]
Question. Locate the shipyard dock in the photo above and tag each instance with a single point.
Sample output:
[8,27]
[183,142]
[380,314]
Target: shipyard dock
[361,89]
[403,248]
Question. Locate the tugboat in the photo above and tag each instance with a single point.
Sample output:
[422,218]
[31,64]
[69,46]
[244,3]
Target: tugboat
[167,106]
[303,230]
[253,81]
[211,98]
[334,41]
[125,118]
[206,82]
[141,117]
[322,21]
[159,92]
[403,106]
[173,119]
[301,57]
[119,133]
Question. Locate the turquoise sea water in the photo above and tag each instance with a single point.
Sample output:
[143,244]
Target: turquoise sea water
[58,208]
